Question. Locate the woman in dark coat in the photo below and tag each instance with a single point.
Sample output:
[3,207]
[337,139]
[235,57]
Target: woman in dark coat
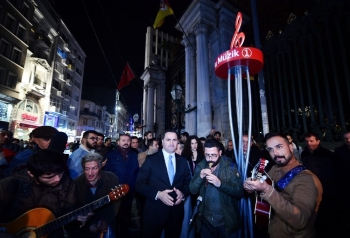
[193,151]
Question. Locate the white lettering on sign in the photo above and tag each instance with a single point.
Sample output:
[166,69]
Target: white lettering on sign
[226,56]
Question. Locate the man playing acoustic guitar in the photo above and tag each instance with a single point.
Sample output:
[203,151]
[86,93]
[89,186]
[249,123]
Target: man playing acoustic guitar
[297,193]
[41,183]
[92,185]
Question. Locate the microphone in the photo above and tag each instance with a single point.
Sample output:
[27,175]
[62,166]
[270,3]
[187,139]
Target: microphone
[199,200]
[210,165]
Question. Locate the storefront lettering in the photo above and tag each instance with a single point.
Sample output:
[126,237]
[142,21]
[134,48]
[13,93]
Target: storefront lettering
[26,116]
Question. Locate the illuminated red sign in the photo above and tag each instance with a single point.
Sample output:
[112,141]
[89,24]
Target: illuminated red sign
[28,117]
[238,55]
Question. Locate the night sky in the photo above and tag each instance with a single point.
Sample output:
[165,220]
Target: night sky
[119,28]
[112,32]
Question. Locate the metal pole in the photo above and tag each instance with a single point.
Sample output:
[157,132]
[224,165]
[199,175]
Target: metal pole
[264,116]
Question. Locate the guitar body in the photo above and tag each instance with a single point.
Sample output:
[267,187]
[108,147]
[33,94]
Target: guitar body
[262,209]
[43,222]
[29,221]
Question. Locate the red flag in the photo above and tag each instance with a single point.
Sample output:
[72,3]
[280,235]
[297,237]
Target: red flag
[127,76]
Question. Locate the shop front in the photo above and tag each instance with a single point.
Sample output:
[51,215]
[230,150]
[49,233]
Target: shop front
[5,112]
[24,124]
[27,119]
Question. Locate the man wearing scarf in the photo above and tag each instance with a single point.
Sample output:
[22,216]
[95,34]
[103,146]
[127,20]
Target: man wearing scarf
[123,162]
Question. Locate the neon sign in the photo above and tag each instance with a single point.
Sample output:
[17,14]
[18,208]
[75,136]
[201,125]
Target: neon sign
[28,117]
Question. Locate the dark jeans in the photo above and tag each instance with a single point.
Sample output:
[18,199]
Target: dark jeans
[209,231]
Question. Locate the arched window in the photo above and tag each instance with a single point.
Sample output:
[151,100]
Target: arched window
[86,107]
[29,106]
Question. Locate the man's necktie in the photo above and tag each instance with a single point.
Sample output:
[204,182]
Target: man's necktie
[171,169]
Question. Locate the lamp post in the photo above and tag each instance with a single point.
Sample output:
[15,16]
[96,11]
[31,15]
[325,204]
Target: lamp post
[176,93]
[136,118]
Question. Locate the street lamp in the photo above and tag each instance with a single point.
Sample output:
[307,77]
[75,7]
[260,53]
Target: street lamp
[176,93]
[136,117]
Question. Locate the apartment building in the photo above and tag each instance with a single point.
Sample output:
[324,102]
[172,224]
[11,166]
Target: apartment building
[41,69]
[15,28]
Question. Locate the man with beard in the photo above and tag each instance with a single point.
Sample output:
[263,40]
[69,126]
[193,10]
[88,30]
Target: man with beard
[152,147]
[147,136]
[42,182]
[123,162]
[322,163]
[92,185]
[218,182]
[296,194]
[88,144]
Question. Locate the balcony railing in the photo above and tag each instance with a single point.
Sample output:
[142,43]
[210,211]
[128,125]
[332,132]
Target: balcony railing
[70,67]
[66,47]
[43,41]
[39,83]
[68,82]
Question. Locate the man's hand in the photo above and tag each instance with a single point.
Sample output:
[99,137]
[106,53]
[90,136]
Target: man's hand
[205,172]
[84,219]
[179,197]
[255,185]
[104,163]
[213,180]
[101,226]
[166,198]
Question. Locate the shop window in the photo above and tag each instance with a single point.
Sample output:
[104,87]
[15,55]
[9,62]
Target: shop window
[3,111]
[62,123]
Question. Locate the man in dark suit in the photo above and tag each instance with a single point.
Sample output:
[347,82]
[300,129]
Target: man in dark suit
[164,180]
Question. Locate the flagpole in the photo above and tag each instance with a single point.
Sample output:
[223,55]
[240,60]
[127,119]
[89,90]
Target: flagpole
[183,31]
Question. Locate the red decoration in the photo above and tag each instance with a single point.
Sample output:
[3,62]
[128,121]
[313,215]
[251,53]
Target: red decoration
[28,117]
[238,55]
[127,76]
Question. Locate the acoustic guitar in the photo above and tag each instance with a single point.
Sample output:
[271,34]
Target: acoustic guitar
[43,222]
[262,209]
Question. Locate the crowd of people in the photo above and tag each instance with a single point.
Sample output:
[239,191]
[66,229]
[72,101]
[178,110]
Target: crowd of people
[182,185]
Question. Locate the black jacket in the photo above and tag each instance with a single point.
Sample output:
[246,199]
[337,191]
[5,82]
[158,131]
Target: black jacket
[20,193]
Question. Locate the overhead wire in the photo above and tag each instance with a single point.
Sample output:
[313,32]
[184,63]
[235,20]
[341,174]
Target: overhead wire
[115,42]
[99,43]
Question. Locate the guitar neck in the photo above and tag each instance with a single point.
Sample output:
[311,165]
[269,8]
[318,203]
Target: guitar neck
[69,217]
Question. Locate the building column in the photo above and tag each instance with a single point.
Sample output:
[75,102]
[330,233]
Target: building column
[144,108]
[150,107]
[191,91]
[217,90]
[204,117]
